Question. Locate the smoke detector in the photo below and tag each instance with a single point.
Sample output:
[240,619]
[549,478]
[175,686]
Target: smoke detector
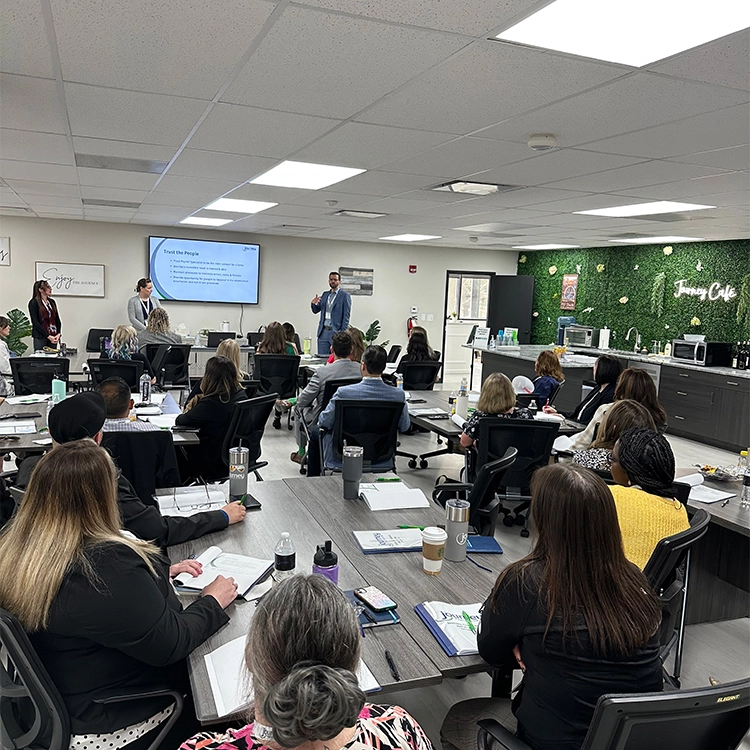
[542,142]
[332,203]
[473,239]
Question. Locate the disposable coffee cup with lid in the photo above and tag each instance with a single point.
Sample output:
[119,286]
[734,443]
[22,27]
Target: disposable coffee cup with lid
[433,549]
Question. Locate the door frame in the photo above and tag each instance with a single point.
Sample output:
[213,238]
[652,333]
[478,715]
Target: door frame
[488,274]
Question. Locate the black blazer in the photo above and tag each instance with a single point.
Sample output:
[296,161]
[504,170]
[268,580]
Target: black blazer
[38,330]
[585,411]
[211,416]
[126,631]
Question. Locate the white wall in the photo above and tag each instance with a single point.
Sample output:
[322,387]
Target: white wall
[293,270]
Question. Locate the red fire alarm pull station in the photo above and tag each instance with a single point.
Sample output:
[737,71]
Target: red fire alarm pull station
[412,269]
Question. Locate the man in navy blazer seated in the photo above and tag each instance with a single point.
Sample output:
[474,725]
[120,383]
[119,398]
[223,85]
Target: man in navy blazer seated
[335,308]
[371,387]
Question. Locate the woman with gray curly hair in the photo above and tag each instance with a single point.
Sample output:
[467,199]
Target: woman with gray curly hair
[302,653]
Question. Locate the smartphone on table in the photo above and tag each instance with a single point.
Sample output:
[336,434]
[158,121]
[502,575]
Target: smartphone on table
[375,599]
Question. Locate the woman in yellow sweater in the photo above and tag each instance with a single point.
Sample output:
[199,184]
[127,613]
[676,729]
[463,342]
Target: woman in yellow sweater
[643,467]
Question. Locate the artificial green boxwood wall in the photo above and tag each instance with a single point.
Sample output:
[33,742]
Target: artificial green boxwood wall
[608,275]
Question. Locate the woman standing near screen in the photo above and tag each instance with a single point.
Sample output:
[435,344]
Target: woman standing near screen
[140,306]
[45,319]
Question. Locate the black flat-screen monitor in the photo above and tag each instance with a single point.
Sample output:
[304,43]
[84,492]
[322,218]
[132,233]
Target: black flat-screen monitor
[204,270]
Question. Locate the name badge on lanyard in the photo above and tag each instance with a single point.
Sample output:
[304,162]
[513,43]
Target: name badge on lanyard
[146,308]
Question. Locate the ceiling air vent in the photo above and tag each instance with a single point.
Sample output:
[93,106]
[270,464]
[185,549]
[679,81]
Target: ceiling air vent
[120,163]
[110,204]
[16,209]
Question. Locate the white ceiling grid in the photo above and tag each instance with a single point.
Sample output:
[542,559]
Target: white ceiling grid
[412,90]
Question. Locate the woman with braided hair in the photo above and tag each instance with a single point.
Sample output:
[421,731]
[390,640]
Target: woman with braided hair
[647,510]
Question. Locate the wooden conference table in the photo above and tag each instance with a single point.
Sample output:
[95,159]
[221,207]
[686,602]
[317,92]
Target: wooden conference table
[314,510]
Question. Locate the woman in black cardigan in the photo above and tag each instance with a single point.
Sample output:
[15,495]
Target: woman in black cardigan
[45,319]
[99,606]
[210,412]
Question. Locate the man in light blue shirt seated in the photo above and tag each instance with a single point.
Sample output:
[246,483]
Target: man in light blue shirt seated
[371,388]
[119,403]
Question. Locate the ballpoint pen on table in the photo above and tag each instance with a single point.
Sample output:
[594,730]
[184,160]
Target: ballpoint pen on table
[726,501]
[406,526]
[392,666]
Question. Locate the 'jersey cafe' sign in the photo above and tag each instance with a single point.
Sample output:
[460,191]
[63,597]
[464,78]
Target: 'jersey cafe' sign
[711,293]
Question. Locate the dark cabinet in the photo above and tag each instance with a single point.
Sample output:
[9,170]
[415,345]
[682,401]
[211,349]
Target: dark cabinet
[511,304]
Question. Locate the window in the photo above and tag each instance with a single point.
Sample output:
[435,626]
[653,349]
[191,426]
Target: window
[468,296]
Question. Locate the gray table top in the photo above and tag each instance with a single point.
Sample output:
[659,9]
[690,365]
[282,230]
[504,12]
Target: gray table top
[730,516]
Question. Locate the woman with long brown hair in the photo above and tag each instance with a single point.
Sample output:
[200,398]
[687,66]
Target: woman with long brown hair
[549,375]
[99,606]
[45,319]
[274,341]
[578,618]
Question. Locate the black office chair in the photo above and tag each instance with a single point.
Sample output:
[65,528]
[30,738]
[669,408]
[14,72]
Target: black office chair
[251,387]
[668,572]
[34,716]
[249,418]
[707,717]
[129,371]
[94,338]
[171,365]
[370,424]
[420,376]
[525,399]
[35,374]
[533,440]
[482,495]
[146,459]
[151,350]
[254,338]
[298,343]
[277,373]
[393,353]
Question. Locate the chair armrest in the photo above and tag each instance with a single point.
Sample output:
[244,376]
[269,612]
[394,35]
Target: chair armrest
[454,486]
[492,732]
[117,695]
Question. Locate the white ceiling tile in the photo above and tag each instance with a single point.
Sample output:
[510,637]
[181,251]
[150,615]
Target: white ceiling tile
[216,165]
[116,179]
[486,83]
[370,146]
[381,184]
[25,145]
[113,194]
[433,14]
[29,170]
[24,187]
[308,58]
[31,104]
[23,39]
[725,62]
[637,101]
[130,116]
[62,214]
[693,188]
[737,157]
[53,200]
[194,186]
[187,202]
[271,194]
[733,198]
[530,197]
[399,206]
[259,132]
[124,149]
[180,48]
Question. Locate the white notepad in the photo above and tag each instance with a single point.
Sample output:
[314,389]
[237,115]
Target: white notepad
[702,494]
[391,496]
[390,540]
[34,398]
[163,421]
[20,427]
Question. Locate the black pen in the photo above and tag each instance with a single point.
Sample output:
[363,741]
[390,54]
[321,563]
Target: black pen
[392,666]
[367,614]
[725,502]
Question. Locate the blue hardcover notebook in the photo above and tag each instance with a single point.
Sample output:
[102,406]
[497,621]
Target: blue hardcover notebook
[369,618]
[448,624]
[483,545]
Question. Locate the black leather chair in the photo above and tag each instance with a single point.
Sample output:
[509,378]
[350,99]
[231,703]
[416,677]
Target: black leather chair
[34,716]
[373,425]
[171,365]
[94,341]
[707,717]
[35,374]
[129,371]
[146,459]
[393,353]
[668,571]
[420,376]
[278,373]
[482,495]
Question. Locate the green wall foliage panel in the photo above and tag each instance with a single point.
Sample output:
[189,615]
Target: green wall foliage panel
[616,289]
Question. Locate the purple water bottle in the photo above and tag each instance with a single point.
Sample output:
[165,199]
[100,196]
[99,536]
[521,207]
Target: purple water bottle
[326,563]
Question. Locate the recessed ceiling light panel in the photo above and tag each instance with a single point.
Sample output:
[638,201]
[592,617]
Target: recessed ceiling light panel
[359,214]
[549,246]
[411,237]
[202,221]
[631,32]
[474,188]
[304,175]
[233,205]
[644,209]
[656,240]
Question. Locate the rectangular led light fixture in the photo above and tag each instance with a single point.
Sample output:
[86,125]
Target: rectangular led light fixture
[202,221]
[359,214]
[631,32]
[549,246]
[233,205]
[656,240]
[411,237]
[644,209]
[300,174]
[473,188]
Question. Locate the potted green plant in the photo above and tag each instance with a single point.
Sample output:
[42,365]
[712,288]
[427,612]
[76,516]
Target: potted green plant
[372,333]
[20,328]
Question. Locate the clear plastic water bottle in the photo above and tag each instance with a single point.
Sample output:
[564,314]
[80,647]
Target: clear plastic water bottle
[145,388]
[452,402]
[399,381]
[745,495]
[742,460]
[464,387]
[284,558]
[52,402]
[492,343]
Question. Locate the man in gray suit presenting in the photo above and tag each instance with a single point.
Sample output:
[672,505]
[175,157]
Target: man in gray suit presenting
[335,307]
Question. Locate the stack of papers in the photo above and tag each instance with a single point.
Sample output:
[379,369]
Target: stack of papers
[542,417]
[392,540]
[426,411]
[391,496]
[163,421]
[448,623]
[232,687]
[702,494]
[34,398]
[151,410]
[20,427]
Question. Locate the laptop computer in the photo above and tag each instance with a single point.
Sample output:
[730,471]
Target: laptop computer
[214,337]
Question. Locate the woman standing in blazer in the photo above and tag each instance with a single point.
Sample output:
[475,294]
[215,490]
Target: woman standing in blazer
[45,320]
[140,306]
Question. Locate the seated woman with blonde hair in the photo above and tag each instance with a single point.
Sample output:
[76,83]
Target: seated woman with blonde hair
[122,345]
[230,349]
[302,654]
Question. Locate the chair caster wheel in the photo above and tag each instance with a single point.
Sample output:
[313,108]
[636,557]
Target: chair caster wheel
[277,424]
[423,464]
[290,427]
[412,463]
[509,521]
[303,470]
[524,532]
[520,520]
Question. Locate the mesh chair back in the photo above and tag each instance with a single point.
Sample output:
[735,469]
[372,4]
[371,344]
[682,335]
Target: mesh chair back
[246,426]
[298,343]
[420,376]
[393,353]
[35,374]
[533,440]
[151,350]
[370,424]
[94,338]
[254,338]
[129,371]
[34,716]
[331,386]
[175,367]
[486,484]
[251,387]
[277,374]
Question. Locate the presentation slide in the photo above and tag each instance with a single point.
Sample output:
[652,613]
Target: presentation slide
[204,270]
